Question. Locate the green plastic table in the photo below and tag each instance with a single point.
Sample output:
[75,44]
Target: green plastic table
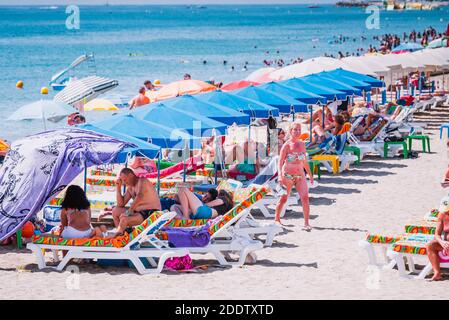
[404,147]
[425,140]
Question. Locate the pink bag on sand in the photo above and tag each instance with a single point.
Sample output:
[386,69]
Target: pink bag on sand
[179,263]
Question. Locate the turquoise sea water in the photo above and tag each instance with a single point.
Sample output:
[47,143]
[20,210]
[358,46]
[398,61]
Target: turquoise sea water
[135,43]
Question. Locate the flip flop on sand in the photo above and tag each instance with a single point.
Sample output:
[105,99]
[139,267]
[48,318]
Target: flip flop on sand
[307,228]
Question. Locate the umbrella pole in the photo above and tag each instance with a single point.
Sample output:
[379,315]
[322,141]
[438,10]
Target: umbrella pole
[323,116]
[311,115]
[159,171]
[85,177]
[184,164]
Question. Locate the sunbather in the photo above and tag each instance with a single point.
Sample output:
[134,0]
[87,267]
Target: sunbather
[441,243]
[292,163]
[210,195]
[445,182]
[145,201]
[76,215]
[193,208]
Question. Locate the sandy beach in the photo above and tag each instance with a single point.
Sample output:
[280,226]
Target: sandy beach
[326,263]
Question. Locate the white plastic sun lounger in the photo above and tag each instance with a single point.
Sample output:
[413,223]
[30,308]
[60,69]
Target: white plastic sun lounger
[159,249]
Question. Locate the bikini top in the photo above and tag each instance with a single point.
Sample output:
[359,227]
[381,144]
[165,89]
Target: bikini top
[296,156]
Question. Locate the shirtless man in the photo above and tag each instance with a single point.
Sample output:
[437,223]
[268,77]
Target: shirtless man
[145,201]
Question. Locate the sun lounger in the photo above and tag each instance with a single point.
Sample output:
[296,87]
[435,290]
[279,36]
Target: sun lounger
[246,224]
[412,250]
[124,247]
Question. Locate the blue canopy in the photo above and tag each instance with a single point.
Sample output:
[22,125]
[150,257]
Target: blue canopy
[252,108]
[298,94]
[194,124]
[375,83]
[284,103]
[348,81]
[408,46]
[157,134]
[208,109]
[334,84]
[321,90]
[141,147]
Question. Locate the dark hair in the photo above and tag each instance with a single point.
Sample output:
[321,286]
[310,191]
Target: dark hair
[75,198]
[339,119]
[213,193]
[227,198]
[126,171]
[147,82]
[141,89]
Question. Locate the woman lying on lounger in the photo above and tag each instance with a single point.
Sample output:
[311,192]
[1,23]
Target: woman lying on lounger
[441,243]
[193,208]
[292,163]
[76,215]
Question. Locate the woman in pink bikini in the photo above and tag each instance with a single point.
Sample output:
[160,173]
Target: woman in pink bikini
[292,163]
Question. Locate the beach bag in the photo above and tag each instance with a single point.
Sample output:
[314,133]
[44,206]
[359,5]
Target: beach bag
[179,263]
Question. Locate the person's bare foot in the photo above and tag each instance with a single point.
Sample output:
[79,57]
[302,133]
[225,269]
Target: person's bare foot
[307,228]
[436,277]
[278,222]
[445,183]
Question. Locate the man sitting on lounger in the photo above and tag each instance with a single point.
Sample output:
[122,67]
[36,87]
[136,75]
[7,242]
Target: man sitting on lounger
[145,201]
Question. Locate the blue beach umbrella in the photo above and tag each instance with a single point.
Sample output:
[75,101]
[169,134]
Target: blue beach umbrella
[348,81]
[333,84]
[328,93]
[141,147]
[375,83]
[408,46]
[284,103]
[251,107]
[298,94]
[194,123]
[208,109]
[157,134]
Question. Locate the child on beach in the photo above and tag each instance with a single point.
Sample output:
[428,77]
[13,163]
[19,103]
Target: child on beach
[445,182]
[292,164]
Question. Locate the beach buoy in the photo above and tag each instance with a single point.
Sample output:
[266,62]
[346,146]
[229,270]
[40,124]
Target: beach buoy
[28,229]
[44,90]
[19,84]
[157,81]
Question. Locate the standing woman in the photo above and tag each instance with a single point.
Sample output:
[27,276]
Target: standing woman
[292,163]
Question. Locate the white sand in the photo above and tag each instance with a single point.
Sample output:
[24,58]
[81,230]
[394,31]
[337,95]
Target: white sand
[380,194]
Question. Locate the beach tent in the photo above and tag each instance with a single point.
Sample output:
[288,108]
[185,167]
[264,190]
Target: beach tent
[327,82]
[80,91]
[40,166]
[238,85]
[251,107]
[43,110]
[261,75]
[296,93]
[181,87]
[306,67]
[284,103]
[346,74]
[194,123]
[328,93]
[208,109]
[152,132]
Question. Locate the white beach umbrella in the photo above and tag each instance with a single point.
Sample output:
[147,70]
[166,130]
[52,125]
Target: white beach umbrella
[260,75]
[358,64]
[43,110]
[309,66]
